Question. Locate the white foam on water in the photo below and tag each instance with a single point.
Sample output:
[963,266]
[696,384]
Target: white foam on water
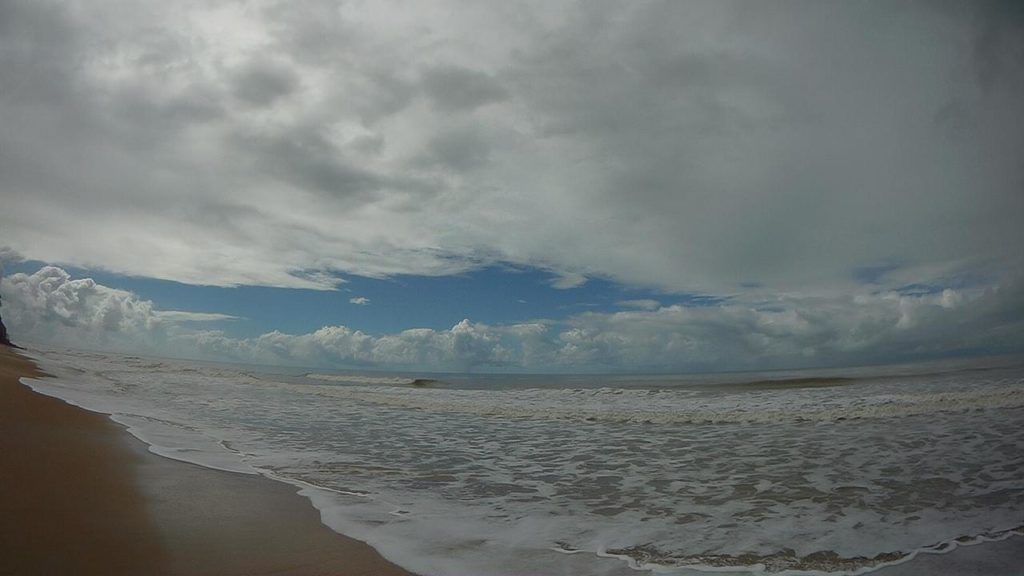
[679,407]
[597,481]
[174,441]
[164,436]
[361,379]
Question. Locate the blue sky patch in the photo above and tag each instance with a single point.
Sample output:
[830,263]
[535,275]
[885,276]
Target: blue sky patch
[496,295]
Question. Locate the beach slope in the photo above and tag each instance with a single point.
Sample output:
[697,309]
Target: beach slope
[79,495]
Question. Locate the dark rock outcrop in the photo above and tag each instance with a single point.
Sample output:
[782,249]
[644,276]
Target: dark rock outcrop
[3,334]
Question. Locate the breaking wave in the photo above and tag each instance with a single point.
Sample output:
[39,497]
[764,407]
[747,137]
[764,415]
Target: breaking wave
[646,556]
[372,380]
[681,407]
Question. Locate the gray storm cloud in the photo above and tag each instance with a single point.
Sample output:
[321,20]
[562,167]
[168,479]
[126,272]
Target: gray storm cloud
[846,175]
[686,146]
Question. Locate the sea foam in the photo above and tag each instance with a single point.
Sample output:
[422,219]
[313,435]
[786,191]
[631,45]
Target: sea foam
[600,480]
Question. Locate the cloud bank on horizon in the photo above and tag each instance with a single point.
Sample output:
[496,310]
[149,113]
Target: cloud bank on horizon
[49,306]
[812,161]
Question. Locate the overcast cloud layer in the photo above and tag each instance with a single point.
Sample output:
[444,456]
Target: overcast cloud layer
[693,146]
[847,175]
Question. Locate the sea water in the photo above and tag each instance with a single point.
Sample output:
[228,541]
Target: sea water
[842,472]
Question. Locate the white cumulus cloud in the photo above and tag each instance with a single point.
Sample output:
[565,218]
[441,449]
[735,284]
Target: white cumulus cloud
[777,331]
[49,306]
[568,280]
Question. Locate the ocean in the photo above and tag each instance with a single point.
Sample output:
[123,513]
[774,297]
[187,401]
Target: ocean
[804,472]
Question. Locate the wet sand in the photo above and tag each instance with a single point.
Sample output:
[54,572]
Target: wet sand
[79,495]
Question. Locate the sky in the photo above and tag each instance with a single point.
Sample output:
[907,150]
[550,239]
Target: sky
[515,186]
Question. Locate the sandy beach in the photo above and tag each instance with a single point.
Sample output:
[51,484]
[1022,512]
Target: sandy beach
[79,495]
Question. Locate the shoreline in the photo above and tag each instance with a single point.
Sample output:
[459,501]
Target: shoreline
[174,517]
[79,494]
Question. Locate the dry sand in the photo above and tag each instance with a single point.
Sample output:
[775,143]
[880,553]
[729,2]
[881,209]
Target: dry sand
[79,495]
